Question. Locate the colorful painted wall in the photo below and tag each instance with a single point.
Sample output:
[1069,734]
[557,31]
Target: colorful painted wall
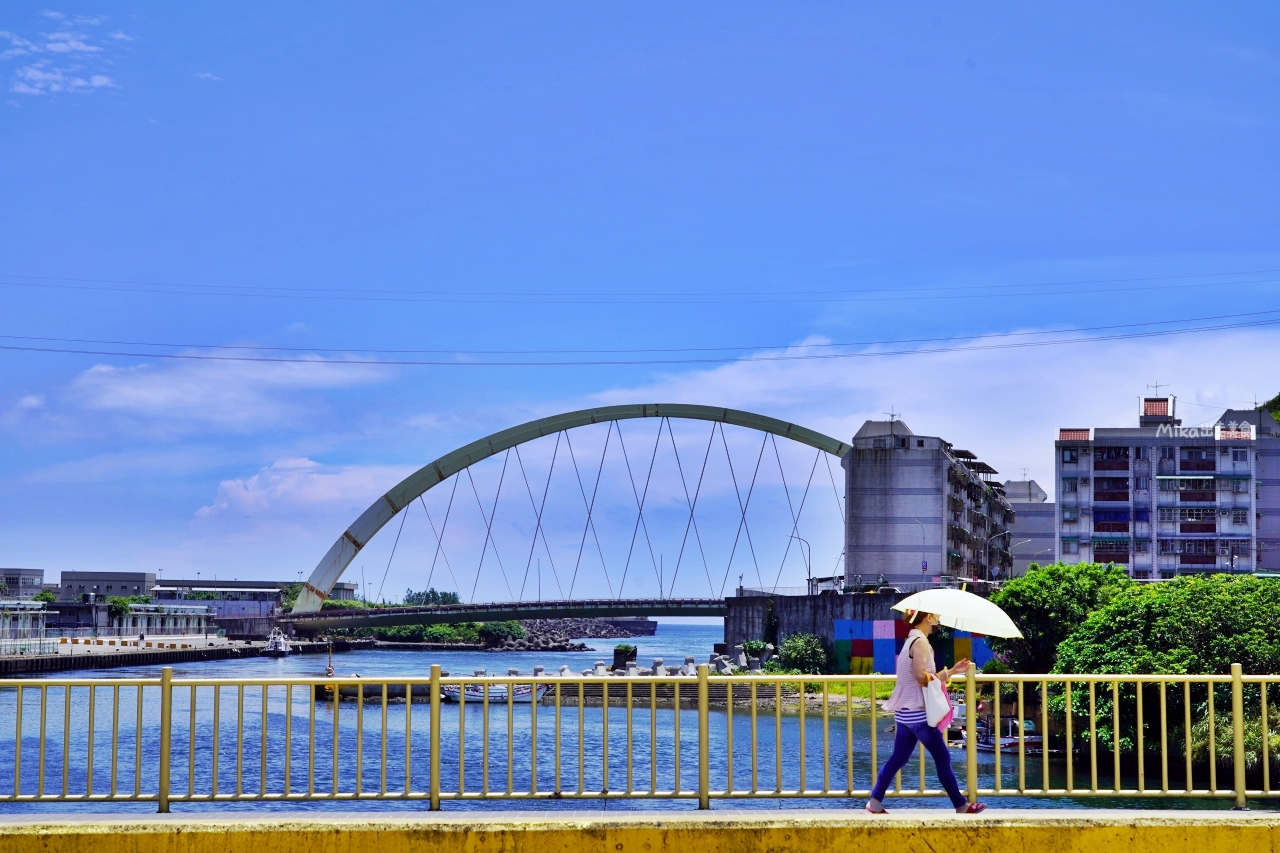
[866,646]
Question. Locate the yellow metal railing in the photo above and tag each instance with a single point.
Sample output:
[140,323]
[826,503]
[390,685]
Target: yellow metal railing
[751,736]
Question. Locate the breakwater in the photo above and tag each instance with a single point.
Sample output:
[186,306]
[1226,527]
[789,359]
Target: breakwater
[17,666]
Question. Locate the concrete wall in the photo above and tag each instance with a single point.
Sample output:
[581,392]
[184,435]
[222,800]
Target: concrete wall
[749,617]
[1038,523]
[1023,830]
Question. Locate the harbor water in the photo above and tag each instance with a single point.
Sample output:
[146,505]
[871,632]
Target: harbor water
[660,750]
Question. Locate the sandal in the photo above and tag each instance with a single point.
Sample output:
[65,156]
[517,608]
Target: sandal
[883,810]
[975,808]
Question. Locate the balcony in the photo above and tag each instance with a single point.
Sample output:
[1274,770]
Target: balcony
[1198,527]
[1111,465]
[1197,497]
[1196,465]
[1122,497]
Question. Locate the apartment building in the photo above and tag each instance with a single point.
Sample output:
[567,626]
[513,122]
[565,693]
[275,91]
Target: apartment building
[1164,499]
[1034,531]
[918,509]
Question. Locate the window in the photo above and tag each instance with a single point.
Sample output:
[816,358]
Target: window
[1142,483]
[1070,546]
[1142,546]
[1239,456]
[919,442]
[1197,454]
[1070,455]
[1142,453]
[1239,516]
[1070,485]
[1070,513]
[879,443]
[1167,453]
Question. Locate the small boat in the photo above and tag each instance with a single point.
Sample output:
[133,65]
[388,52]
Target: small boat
[474,692]
[277,646]
[1032,743]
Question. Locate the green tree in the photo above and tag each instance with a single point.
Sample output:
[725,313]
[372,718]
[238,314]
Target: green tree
[118,605]
[289,594]
[495,633]
[1272,406]
[803,653]
[1196,625]
[429,596]
[45,595]
[1049,602]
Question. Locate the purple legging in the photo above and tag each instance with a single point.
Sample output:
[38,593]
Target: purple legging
[904,743]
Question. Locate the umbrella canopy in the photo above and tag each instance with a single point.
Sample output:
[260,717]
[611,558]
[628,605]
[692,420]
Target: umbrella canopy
[962,610]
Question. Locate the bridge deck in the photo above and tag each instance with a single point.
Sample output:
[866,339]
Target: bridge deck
[501,611]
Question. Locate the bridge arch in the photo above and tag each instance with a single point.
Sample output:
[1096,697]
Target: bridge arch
[385,508]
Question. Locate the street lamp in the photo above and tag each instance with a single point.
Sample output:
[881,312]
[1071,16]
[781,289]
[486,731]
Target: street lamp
[986,555]
[924,552]
[808,566]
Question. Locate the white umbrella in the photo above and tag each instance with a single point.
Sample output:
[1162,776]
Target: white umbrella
[962,610]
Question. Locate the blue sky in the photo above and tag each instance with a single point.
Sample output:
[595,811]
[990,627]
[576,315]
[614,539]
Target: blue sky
[347,180]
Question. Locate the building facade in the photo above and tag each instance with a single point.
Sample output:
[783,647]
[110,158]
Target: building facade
[74,585]
[22,584]
[1034,530]
[918,510]
[1164,499]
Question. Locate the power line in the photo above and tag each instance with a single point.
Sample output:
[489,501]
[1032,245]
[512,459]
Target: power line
[644,362]
[790,346]
[790,296]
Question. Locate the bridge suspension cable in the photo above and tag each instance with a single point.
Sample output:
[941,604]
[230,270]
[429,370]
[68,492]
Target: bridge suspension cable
[649,502]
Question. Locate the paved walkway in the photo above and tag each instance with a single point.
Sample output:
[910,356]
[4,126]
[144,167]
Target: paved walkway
[716,831]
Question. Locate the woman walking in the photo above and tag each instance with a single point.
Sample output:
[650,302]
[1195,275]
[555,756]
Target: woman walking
[915,666]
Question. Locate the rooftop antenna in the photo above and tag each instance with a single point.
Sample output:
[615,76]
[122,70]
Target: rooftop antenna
[892,417]
[1157,386]
[1024,473]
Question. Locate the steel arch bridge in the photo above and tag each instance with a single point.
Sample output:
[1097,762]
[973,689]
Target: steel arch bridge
[354,538]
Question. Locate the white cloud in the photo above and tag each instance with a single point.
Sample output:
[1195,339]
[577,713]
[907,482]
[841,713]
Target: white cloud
[205,75]
[1004,405]
[72,42]
[31,401]
[68,42]
[42,78]
[118,35]
[295,499]
[220,395]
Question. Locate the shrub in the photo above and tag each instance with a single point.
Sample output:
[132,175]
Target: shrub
[440,634]
[753,648]
[1047,604]
[343,604]
[803,653]
[495,633]
[624,647]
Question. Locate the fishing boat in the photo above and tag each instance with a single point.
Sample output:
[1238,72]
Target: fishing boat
[1007,743]
[474,692]
[277,646]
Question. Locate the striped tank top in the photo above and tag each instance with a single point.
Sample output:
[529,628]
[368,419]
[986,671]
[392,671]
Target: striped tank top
[907,700]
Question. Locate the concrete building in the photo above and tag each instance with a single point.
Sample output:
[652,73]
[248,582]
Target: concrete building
[22,584]
[918,510]
[1034,519]
[74,585]
[1165,499]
